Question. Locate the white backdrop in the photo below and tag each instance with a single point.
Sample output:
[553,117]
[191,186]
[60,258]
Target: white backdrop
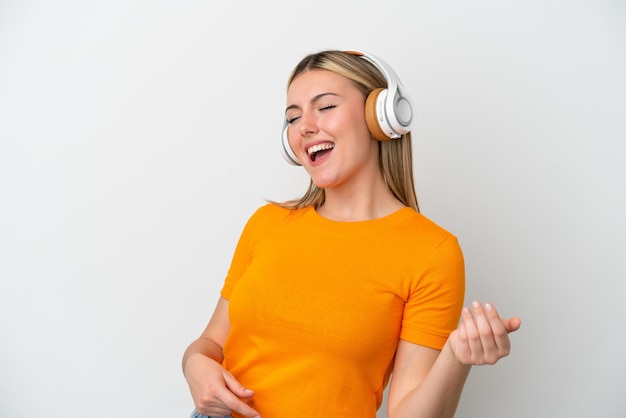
[136,137]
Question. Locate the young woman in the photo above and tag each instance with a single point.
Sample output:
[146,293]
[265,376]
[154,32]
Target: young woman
[332,295]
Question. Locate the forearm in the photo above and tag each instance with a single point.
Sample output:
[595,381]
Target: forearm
[204,347]
[439,393]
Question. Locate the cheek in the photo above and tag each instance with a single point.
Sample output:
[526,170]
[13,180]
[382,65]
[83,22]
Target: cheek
[355,121]
[293,139]
[350,124]
[295,143]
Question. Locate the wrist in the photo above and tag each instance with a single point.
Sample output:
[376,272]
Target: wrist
[193,360]
[452,357]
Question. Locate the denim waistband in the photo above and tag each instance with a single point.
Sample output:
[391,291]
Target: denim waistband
[195,414]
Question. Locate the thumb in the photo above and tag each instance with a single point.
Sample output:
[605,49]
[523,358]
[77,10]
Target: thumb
[237,388]
[512,324]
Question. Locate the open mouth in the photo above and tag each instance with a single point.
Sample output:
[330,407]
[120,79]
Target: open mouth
[320,150]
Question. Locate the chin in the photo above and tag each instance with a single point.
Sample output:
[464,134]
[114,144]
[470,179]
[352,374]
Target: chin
[325,184]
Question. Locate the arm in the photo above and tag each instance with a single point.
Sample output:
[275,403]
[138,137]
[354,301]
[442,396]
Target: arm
[213,389]
[428,383]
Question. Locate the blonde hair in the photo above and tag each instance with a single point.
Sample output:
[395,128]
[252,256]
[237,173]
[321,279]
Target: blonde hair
[395,156]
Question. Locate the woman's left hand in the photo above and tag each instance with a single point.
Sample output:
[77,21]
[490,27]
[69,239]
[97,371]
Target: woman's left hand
[482,337]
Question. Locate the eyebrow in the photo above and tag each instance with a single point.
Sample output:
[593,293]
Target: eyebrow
[313,100]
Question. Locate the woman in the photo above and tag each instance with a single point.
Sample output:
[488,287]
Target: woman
[329,295]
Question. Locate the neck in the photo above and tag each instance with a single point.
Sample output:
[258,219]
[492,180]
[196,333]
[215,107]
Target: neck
[360,202]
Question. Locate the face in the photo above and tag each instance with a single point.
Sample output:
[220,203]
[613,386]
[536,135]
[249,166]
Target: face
[327,129]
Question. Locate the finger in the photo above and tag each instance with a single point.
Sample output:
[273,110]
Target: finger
[473,335]
[499,332]
[214,403]
[512,324]
[237,388]
[233,403]
[488,341]
[245,410]
[493,336]
[232,397]
[462,350]
[214,411]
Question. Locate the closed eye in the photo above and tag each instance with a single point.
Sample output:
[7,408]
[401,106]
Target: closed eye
[315,100]
[295,118]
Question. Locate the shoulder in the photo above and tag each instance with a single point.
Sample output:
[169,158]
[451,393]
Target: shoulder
[417,227]
[272,211]
[272,215]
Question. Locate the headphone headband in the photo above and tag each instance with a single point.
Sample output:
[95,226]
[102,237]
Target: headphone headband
[388,73]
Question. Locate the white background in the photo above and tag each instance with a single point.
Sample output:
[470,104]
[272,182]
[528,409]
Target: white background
[137,137]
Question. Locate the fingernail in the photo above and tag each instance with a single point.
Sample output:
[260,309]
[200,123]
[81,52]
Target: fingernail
[476,304]
[488,307]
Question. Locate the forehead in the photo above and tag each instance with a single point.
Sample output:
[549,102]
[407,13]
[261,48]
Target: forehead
[313,82]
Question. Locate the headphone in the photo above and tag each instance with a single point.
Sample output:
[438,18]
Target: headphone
[388,112]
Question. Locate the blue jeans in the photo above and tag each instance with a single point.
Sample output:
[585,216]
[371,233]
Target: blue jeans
[195,414]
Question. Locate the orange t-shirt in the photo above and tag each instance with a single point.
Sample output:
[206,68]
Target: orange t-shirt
[317,307]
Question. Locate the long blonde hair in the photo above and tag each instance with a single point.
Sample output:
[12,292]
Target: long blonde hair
[395,156]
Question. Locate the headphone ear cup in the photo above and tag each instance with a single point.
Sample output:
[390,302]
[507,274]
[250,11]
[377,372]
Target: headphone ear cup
[287,152]
[372,114]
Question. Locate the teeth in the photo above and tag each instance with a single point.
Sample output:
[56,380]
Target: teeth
[320,147]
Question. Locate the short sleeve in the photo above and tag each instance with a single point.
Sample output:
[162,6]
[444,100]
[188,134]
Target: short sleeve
[242,255]
[434,306]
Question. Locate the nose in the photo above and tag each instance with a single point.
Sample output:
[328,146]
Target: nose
[308,124]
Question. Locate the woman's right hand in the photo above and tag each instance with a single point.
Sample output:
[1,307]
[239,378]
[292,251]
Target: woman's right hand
[214,390]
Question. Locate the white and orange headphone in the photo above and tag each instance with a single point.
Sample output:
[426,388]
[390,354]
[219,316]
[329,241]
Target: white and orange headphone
[388,112]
